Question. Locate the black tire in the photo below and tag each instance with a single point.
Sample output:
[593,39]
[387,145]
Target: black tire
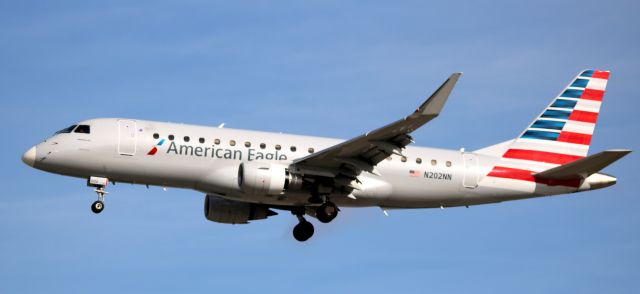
[303,231]
[97,207]
[326,212]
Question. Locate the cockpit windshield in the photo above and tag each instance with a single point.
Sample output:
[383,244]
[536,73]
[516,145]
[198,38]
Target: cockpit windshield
[66,130]
[80,129]
[83,129]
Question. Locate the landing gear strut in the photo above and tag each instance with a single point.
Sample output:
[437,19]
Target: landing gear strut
[98,205]
[304,229]
[316,198]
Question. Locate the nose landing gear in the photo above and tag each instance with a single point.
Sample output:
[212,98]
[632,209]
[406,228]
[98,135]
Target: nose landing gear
[97,206]
[99,184]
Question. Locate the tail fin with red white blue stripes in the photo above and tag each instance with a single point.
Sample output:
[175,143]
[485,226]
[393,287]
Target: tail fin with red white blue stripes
[561,133]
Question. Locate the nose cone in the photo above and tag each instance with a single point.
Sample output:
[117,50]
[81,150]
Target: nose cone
[29,157]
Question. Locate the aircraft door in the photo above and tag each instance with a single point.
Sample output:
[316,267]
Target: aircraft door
[470,170]
[127,137]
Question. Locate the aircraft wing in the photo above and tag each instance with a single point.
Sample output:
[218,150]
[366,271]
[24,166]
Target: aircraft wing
[345,161]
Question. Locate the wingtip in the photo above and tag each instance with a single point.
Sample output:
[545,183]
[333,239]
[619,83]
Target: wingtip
[436,101]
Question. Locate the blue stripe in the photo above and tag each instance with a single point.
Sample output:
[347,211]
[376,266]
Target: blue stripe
[587,73]
[581,83]
[559,114]
[548,124]
[563,103]
[161,142]
[541,135]
[572,93]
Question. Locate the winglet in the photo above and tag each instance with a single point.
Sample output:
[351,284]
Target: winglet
[584,167]
[435,103]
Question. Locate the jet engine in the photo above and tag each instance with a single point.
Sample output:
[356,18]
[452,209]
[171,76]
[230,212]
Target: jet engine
[257,178]
[225,211]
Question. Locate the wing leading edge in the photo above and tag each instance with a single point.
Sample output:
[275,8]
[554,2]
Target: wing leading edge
[345,161]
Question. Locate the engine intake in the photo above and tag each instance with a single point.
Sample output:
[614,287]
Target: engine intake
[225,211]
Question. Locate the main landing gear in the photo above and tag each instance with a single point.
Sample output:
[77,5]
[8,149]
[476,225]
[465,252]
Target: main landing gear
[325,213]
[303,230]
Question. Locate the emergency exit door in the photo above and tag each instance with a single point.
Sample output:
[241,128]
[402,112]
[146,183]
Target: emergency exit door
[127,137]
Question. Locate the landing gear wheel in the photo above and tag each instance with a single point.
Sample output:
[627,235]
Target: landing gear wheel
[97,207]
[326,212]
[303,231]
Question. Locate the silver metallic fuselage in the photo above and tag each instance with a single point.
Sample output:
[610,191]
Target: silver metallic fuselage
[121,154]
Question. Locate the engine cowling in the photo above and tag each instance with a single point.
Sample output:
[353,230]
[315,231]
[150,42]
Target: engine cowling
[225,211]
[263,178]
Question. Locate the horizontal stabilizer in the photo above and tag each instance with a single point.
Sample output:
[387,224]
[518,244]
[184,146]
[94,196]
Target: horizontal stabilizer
[584,167]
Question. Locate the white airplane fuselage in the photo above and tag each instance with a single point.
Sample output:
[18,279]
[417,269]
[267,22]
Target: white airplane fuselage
[442,178]
[245,174]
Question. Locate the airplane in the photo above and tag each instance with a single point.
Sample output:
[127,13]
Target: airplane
[246,175]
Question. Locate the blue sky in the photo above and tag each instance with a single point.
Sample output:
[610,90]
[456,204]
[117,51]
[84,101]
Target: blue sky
[329,68]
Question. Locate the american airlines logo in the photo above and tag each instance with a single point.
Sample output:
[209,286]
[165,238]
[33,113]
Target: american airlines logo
[154,150]
[220,153]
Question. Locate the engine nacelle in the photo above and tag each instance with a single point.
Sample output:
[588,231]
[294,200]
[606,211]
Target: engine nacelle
[225,211]
[257,178]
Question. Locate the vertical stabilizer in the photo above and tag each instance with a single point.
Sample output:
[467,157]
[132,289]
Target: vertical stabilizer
[561,133]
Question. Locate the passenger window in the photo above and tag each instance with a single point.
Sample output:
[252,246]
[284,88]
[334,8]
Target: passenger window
[263,145]
[156,136]
[201,140]
[66,130]
[171,137]
[310,150]
[83,129]
[418,160]
[278,147]
[433,162]
[293,148]
[448,163]
[186,138]
[403,159]
[232,143]
[216,141]
[247,144]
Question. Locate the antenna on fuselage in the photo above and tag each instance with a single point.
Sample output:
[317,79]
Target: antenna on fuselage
[221,126]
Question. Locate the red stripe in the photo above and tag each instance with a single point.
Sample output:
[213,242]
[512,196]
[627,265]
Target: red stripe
[584,116]
[600,74]
[527,175]
[592,94]
[576,138]
[541,156]
[511,173]
[153,151]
